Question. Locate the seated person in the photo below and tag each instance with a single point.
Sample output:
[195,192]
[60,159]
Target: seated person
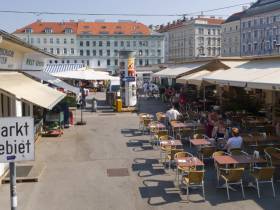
[221,130]
[235,142]
[172,114]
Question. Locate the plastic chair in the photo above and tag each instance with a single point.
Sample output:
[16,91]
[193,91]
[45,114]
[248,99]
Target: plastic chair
[171,155]
[269,151]
[263,175]
[217,167]
[233,176]
[194,179]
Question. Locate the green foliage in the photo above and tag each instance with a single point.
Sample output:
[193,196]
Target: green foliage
[70,100]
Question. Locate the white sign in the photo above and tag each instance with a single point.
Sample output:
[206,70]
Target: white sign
[16,139]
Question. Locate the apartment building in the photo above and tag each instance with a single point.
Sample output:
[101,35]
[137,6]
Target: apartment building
[260,29]
[96,44]
[231,36]
[192,38]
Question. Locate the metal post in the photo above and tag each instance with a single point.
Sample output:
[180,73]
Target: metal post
[13,181]
[204,98]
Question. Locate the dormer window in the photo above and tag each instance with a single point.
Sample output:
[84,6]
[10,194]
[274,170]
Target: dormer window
[103,27]
[118,27]
[103,32]
[118,32]
[68,30]
[28,30]
[48,30]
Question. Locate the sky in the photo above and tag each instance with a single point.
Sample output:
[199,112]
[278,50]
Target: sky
[11,22]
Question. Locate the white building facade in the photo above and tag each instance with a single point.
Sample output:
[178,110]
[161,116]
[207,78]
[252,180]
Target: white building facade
[95,44]
[189,39]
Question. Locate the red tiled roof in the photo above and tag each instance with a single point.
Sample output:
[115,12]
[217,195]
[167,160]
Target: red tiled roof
[93,28]
[212,21]
[111,28]
[39,27]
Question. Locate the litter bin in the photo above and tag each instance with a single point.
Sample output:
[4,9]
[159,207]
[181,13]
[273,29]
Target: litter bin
[94,105]
[119,105]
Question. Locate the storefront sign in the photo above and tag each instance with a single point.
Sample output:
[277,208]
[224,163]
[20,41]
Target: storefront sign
[6,57]
[33,62]
[16,139]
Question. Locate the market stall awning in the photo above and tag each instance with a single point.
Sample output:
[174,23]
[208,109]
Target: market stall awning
[245,73]
[84,75]
[174,71]
[23,87]
[268,82]
[194,79]
[41,75]
[62,67]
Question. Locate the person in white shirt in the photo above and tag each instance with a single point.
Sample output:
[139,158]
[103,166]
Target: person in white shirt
[235,142]
[172,114]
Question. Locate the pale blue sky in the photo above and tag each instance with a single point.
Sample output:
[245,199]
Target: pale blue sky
[10,22]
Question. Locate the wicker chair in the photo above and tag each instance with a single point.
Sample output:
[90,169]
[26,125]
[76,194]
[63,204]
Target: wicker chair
[194,179]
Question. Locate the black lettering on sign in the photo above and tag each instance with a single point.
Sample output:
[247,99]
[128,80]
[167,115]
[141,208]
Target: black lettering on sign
[4,131]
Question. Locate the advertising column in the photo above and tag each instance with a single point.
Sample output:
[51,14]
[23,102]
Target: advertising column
[128,77]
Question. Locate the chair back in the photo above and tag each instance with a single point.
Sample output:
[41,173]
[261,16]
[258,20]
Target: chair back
[265,173]
[208,151]
[174,151]
[161,133]
[236,151]
[218,153]
[196,177]
[182,155]
[235,174]
[164,138]
[147,121]
[158,116]
[198,136]
[270,150]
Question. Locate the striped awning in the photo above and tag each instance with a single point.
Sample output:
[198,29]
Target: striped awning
[58,68]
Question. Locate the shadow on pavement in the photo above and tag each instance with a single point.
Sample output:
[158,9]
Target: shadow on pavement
[147,167]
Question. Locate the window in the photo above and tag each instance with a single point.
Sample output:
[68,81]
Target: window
[267,20]
[115,43]
[108,43]
[93,52]
[140,62]
[88,52]
[159,52]
[98,63]
[108,62]
[128,43]
[28,30]
[51,50]
[116,62]
[48,30]
[65,41]
[68,30]
[140,52]
[65,51]
[50,61]
[75,61]
[72,51]
[134,43]
[94,43]
[100,53]
[81,53]
[67,61]
[100,43]
[261,21]
[87,43]
[147,52]
[214,31]
[159,61]
[45,49]
[87,62]
[38,40]
[274,19]
[31,40]
[108,52]
[51,40]
[209,31]
[255,22]
[72,41]
[57,41]
[256,34]
[115,53]
[146,62]
[81,43]
[249,24]
[122,43]
[58,51]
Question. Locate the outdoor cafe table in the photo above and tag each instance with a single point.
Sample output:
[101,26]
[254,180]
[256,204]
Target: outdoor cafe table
[180,125]
[237,159]
[159,126]
[200,142]
[187,163]
[276,155]
[172,143]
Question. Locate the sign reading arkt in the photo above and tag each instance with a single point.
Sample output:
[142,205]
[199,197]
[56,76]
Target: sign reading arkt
[16,139]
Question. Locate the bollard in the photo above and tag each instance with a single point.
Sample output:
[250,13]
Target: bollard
[94,105]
